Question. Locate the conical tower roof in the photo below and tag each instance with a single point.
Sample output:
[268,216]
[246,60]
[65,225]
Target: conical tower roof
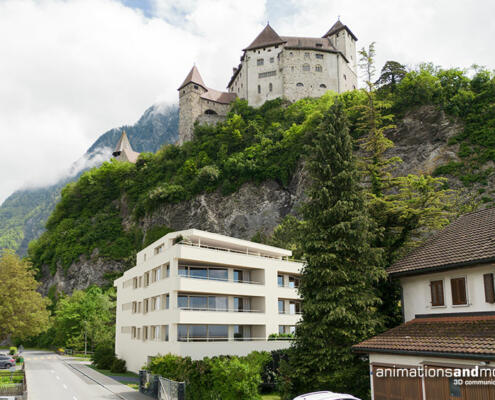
[337,27]
[267,37]
[123,151]
[193,77]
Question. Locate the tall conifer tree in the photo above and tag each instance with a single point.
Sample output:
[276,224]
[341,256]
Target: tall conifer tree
[342,270]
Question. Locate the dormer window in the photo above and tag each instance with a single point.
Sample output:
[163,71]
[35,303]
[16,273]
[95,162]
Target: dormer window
[319,44]
[195,86]
[459,296]
[319,56]
[437,298]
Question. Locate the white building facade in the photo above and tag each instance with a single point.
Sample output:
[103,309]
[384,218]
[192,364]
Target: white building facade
[195,293]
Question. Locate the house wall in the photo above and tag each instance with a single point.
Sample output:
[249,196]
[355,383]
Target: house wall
[264,297]
[417,294]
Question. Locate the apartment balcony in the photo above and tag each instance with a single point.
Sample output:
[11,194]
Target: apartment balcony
[230,286]
[225,316]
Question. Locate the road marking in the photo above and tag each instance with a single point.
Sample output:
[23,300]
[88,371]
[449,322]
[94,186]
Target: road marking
[65,386]
[74,398]
[58,377]
[52,371]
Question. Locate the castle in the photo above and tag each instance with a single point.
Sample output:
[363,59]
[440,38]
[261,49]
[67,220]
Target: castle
[273,66]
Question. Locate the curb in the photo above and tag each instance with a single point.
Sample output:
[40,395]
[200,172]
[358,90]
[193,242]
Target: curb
[94,380]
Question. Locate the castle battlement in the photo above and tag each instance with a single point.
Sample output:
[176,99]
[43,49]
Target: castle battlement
[273,66]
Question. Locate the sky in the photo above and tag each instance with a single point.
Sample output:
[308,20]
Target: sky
[72,69]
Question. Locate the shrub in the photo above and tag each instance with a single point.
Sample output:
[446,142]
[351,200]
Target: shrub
[104,356]
[118,366]
[13,350]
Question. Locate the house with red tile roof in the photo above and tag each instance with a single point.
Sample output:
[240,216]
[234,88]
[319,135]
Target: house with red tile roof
[445,349]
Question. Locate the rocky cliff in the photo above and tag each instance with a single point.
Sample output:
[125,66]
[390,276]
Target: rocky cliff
[420,140]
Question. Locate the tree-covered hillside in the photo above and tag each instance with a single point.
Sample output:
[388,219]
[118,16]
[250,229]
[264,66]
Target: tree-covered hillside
[23,215]
[254,145]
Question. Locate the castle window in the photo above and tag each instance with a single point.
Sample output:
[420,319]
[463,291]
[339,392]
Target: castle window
[345,77]
[319,56]
[306,55]
[318,68]
[260,61]
[195,86]
[306,67]
[291,53]
[299,84]
[267,74]
[270,87]
[276,46]
[210,112]
[354,86]
[323,86]
[183,91]
[259,88]
[292,69]
[272,59]
[319,45]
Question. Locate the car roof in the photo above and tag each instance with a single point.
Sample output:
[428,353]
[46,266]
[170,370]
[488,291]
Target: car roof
[325,395]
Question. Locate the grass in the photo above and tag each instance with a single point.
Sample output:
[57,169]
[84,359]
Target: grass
[134,386]
[107,372]
[272,396]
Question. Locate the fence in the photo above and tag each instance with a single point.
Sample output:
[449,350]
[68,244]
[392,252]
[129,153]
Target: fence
[161,388]
[13,383]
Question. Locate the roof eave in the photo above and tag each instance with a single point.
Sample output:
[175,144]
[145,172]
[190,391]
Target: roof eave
[427,270]
[475,356]
[264,45]
[196,83]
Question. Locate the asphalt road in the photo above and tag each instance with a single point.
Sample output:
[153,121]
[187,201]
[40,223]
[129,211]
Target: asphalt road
[50,378]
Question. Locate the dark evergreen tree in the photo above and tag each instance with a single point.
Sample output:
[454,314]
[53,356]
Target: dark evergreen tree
[342,271]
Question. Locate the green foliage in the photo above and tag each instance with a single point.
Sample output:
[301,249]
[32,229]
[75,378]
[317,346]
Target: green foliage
[155,233]
[343,268]
[104,356]
[229,378]
[85,317]
[118,366]
[23,311]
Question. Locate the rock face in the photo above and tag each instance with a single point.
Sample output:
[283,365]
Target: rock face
[420,140]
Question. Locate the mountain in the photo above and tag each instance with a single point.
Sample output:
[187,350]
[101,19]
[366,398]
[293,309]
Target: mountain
[24,213]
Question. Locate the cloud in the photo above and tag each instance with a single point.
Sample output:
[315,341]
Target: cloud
[73,69]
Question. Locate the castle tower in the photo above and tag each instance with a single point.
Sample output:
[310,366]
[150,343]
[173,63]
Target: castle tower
[123,151]
[343,40]
[190,103]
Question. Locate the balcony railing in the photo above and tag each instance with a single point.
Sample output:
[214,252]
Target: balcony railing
[219,309]
[221,280]
[241,339]
[223,249]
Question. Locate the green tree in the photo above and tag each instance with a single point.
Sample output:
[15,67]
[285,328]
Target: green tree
[338,282]
[390,75]
[85,318]
[23,311]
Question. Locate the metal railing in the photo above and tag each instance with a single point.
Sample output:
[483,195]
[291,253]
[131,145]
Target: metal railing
[224,249]
[207,278]
[230,339]
[171,390]
[219,310]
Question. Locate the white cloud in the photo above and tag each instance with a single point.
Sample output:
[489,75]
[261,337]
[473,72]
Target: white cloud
[72,69]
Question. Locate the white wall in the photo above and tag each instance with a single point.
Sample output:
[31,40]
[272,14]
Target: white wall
[417,295]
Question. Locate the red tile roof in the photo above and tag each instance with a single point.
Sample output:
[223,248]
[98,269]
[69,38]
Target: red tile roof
[468,240]
[219,97]
[447,335]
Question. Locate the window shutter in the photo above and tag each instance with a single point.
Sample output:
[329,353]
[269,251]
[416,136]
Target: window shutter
[458,286]
[489,288]
[436,293]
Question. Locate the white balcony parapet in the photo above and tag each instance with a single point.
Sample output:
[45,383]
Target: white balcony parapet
[219,310]
[221,280]
[248,339]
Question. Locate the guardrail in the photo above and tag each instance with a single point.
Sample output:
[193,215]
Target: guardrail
[219,310]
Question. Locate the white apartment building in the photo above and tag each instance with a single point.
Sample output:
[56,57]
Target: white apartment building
[195,293]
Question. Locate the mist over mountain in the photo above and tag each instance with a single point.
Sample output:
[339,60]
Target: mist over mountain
[24,213]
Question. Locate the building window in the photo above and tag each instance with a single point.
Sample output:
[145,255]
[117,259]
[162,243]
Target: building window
[272,60]
[458,286]
[267,74]
[241,276]
[319,56]
[195,86]
[134,283]
[159,249]
[299,84]
[133,332]
[318,68]
[306,55]
[294,307]
[306,67]
[293,282]
[260,61]
[218,274]
[436,288]
[259,88]
[164,333]
[281,329]
[145,333]
[292,69]
[146,279]
[270,87]
[280,280]
[210,112]
[202,333]
[319,45]
[323,86]
[345,77]
[281,307]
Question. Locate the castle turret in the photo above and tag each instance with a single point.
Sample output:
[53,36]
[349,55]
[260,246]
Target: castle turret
[344,41]
[123,151]
[189,103]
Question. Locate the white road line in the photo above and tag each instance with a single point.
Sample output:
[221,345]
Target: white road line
[52,371]
[74,398]
[65,386]
[58,377]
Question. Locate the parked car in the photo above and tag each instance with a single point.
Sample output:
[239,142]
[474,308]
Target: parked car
[325,395]
[6,361]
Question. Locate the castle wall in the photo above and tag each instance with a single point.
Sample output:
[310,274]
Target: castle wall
[314,82]
[190,108]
